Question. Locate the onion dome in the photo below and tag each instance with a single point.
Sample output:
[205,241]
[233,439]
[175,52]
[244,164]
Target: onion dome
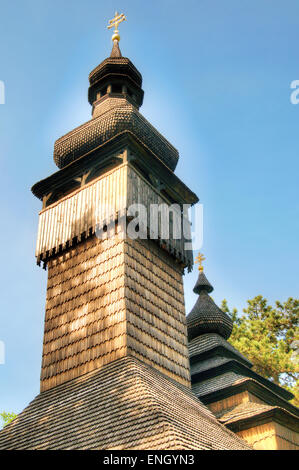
[115,95]
[206,316]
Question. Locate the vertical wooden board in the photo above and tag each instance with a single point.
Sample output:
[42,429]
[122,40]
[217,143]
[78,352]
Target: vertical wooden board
[117,189]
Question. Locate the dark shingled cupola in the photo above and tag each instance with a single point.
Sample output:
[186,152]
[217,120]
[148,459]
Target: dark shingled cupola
[206,316]
[116,75]
[115,94]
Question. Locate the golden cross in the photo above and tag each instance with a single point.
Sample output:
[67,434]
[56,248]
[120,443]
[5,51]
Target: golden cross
[198,260]
[115,22]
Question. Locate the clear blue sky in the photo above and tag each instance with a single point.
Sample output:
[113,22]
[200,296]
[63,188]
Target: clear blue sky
[217,80]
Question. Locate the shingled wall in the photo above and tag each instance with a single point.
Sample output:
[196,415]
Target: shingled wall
[110,298]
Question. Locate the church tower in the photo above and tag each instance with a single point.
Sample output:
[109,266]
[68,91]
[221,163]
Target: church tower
[110,294]
[115,368]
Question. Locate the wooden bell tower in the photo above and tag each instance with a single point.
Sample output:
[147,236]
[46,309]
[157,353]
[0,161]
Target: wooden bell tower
[112,296]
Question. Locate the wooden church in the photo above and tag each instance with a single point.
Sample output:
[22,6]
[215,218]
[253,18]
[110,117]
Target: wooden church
[116,359]
[253,407]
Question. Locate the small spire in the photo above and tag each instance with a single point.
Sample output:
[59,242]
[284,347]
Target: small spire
[202,282]
[118,18]
[115,50]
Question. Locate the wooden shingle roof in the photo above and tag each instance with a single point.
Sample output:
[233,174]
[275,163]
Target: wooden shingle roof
[245,414]
[207,317]
[124,405]
[122,117]
[209,343]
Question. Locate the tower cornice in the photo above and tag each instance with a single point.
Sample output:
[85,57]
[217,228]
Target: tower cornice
[109,154]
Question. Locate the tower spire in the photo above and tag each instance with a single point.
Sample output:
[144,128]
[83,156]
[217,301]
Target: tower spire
[115,53]
[202,282]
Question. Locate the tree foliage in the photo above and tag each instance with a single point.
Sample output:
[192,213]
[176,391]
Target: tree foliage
[7,417]
[268,336]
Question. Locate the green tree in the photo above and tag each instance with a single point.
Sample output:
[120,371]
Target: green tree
[7,417]
[268,337]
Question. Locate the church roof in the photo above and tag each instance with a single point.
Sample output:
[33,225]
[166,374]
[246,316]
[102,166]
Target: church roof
[227,381]
[208,344]
[138,415]
[123,116]
[242,411]
[219,370]
[218,382]
[246,414]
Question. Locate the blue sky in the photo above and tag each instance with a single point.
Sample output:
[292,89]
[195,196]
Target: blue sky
[217,78]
